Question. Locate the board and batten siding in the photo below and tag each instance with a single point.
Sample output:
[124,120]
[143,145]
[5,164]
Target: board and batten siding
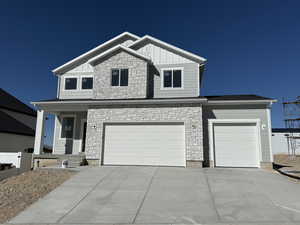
[159,55]
[239,112]
[190,75]
[71,146]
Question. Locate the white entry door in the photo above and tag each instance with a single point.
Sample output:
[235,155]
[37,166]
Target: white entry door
[236,145]
[144,144]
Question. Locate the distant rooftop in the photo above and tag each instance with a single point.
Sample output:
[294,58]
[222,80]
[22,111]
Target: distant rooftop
[7,101]
[9,124]
[286,130]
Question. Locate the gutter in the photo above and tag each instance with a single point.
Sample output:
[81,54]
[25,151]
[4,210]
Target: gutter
[120,102]
[237,102]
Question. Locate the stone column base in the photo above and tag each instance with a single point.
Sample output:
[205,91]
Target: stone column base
[266,165]
[194,164]
[211,164]
[93,162]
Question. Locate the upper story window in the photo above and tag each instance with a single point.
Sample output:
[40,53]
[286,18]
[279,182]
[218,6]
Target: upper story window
[86,83]
[67,127]
[71,83]
[172,78]
[119,77]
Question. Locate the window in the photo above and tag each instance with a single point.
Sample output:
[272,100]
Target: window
[172,78]
[67,127]
[119,77]
[70,83]
[86,83]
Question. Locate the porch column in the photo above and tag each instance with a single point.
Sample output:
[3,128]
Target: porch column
[39,132]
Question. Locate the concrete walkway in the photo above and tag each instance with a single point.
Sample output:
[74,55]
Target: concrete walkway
[151,195]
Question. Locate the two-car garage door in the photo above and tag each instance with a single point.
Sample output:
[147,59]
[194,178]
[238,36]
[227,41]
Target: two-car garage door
[235,144]
[158,144]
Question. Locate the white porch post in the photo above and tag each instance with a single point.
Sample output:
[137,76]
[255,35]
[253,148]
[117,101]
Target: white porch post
[39,132]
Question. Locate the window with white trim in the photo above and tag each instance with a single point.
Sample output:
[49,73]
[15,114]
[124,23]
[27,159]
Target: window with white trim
[86,83]
[172,78]
[71,83]
[67,127]
[119,77]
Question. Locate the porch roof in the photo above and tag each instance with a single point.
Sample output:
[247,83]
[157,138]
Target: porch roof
[84,104]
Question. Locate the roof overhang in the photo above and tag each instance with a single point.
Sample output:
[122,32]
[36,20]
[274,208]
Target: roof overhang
[94,60]
[82,105]
[170,47]
[89,53]
[239,102]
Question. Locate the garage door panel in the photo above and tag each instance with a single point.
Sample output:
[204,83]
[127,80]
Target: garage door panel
[235,145]
[144,144]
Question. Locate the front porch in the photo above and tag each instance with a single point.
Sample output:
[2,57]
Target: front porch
[69,134]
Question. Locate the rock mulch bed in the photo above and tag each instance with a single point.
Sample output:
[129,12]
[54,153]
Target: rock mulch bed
[18,192]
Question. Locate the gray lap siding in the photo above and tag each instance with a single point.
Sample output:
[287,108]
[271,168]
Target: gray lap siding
[238,112]
[190,73]
[190,114]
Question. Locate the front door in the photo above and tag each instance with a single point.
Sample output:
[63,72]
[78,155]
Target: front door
[83,137]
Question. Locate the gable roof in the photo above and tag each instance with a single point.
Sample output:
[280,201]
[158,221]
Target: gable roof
[93,51]
[7,101]
[114,49]
[10,125]
[169,47]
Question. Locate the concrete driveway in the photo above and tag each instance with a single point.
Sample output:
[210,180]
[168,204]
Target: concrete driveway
[151,195]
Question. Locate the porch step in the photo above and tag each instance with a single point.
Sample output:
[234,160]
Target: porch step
[73,160]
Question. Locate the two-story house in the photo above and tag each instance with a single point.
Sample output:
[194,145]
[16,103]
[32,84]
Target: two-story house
[136,101]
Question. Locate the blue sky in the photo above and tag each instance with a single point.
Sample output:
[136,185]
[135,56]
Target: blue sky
[252,47]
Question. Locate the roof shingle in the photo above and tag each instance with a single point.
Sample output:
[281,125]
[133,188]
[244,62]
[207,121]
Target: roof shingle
[7,101]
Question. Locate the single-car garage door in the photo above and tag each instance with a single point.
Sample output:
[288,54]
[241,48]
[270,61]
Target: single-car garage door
[236,145]
[144,144]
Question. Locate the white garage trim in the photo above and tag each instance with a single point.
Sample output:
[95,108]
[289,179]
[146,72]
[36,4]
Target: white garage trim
[211,123]
[144,143]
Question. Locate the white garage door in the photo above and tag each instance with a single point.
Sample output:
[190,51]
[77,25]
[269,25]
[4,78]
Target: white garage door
[144,144]
[235,145]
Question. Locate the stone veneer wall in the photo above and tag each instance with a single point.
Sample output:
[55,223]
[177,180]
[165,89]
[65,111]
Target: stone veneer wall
[190,114]
[137,77]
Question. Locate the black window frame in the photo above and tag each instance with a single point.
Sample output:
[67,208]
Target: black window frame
[62,132]
[87,77]
[163,85]
[65,83]
[122,79]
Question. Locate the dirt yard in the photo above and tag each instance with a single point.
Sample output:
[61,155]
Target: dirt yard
[18,192]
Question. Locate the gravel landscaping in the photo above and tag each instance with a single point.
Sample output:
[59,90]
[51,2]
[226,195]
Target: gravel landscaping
[18,192]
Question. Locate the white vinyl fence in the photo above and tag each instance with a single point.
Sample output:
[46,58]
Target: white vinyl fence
[20,160]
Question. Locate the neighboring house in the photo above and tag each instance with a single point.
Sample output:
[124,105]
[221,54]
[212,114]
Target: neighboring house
[136,101]
[280,139]
[17,124]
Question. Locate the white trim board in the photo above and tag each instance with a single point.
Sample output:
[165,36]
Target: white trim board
[195,57]
[58,69]
[211,122]
[116,48]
